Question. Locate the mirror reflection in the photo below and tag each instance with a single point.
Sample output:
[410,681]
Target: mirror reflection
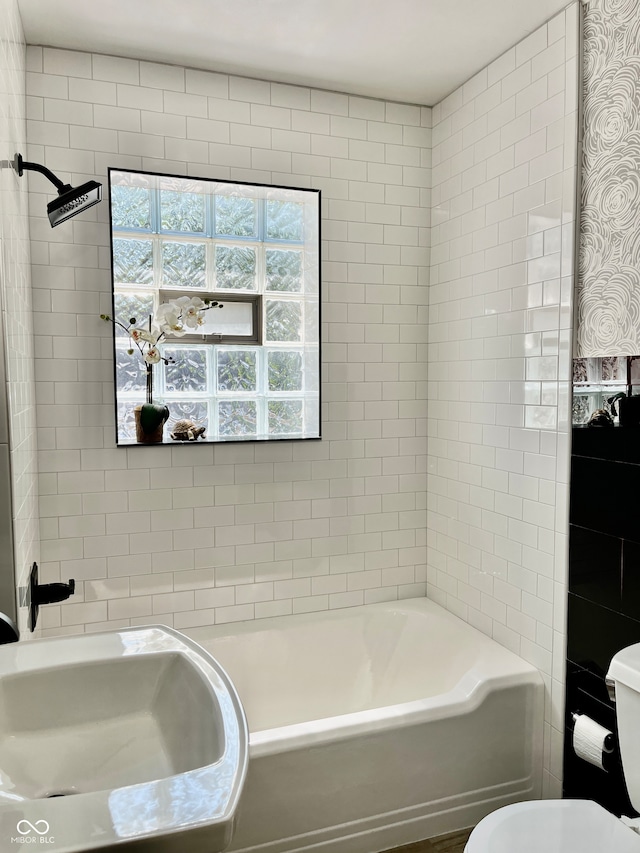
[216,310]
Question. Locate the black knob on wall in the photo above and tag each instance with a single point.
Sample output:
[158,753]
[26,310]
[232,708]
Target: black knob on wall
[47,593]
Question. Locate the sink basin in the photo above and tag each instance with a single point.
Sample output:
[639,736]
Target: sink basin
[133,739]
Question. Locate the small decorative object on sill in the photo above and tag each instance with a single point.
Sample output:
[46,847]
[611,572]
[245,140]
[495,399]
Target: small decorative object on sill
[600,418]
[175,318]
[150,421]
[150,418]
[186,430]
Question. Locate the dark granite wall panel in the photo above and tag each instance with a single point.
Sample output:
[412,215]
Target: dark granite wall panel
[604,594]
[595,567]
[605,496]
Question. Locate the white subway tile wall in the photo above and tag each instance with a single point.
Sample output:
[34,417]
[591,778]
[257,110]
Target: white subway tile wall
[499,353]
[15,301]
[194,535]
[477,328]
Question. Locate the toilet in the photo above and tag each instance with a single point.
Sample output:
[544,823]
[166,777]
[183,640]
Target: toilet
[577,826]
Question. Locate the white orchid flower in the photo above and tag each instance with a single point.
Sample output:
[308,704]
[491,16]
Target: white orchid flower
[172,318]
[152,355]
[190,316]
[176,331]
[170,307]
[179,315]
[164,311]
[169,315]
[143,335]
[173,324]
[192,313]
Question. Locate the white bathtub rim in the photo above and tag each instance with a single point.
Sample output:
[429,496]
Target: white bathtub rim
[464,698]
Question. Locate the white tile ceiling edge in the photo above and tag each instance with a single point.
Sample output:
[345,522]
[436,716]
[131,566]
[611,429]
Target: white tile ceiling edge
[416,51]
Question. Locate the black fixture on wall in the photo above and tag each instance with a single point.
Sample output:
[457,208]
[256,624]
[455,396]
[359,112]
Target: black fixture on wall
[45,593]
[71,200]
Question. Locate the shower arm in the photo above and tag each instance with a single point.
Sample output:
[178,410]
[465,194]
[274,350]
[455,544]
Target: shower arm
[21,165]
[70,200]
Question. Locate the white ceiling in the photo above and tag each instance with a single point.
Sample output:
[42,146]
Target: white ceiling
[416,51]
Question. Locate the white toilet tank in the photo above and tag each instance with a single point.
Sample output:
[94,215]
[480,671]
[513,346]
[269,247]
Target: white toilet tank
[624,671]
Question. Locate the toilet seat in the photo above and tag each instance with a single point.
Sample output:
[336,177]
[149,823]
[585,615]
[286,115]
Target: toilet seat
[553,826]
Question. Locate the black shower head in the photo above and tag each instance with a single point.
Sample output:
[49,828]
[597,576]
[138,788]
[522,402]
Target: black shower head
[71,200]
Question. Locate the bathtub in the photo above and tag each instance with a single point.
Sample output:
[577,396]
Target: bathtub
[375,726]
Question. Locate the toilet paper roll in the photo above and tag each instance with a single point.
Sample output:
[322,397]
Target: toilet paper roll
[591,740]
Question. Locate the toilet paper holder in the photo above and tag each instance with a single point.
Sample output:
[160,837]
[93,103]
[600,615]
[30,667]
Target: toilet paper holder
[609,741]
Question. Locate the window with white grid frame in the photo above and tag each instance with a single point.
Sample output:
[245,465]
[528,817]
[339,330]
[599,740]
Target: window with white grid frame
[219,239]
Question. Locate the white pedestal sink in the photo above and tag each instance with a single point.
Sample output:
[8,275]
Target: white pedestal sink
[130,740]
